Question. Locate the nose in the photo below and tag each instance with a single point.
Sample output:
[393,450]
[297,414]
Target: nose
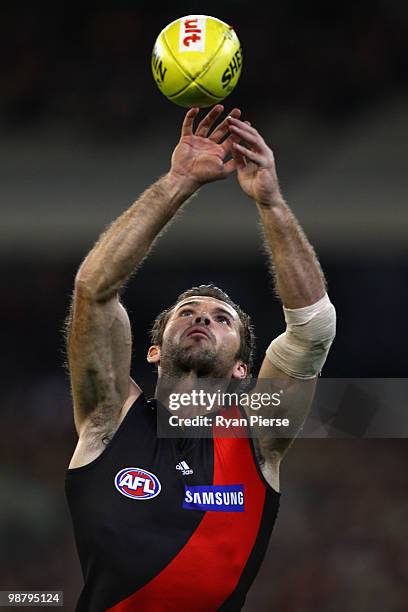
[202,319]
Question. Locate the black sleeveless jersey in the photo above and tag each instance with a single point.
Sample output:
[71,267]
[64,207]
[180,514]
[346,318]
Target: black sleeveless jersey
[167,524]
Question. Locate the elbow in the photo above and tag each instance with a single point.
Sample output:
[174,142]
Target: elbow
[302,350]
[319,330]
[325,329]
[331,322]
[84,285]
[333,326]
[90,286]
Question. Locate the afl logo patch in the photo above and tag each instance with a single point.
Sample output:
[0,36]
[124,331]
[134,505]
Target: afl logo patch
[137,483]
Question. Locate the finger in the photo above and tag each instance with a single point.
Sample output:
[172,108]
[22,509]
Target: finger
[187,127]
[254,139]
[239,159]
[253,156]
[222,130]
[245,125]
[237,137]
[230,166]
[205,124]
[227,144]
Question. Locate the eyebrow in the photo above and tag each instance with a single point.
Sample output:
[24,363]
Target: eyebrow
[216,309]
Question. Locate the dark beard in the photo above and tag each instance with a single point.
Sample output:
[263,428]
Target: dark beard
[176,361]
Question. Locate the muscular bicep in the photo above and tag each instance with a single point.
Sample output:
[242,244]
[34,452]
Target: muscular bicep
[292,399]
[99,354]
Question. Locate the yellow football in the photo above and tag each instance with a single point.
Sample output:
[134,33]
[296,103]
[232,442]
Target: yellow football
[197,60]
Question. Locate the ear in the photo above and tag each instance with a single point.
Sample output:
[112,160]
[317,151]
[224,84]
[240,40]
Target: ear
[240,370]
[153,354]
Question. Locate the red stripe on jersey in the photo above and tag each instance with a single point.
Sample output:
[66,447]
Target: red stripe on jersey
[207,569]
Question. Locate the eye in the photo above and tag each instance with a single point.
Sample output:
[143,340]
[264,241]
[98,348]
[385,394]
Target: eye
[185,313]
[223,319]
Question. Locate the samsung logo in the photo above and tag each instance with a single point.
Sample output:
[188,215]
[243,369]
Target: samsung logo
[215,498]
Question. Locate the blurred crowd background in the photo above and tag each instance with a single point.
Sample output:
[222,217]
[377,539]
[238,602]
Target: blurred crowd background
[83,131]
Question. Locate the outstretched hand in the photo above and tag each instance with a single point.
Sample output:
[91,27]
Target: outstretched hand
[199,156]
[255,163]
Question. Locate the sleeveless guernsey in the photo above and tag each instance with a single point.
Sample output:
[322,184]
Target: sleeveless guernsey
[167,524]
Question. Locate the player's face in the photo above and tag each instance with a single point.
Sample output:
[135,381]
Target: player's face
[202,334]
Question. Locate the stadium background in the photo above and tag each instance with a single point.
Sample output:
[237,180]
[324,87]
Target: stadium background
[84,130]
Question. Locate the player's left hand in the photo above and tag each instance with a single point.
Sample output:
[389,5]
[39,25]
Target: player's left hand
[199,156]
[255,163]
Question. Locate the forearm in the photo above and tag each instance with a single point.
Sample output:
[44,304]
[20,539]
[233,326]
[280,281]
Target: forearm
[310,317]
[123,246]
[298,276]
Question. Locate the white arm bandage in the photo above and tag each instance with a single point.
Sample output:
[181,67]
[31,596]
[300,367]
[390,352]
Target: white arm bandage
[302,350]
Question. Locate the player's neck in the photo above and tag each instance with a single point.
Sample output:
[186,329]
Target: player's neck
[194,391]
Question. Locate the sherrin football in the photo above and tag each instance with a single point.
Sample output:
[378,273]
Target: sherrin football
[197,60]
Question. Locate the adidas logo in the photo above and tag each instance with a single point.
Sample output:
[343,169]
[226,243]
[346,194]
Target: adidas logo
[185,468]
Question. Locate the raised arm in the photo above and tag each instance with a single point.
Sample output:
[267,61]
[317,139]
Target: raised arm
[296,357]
[99,335]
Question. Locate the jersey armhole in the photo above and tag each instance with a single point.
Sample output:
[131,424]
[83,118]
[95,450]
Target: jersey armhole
[115,436]
[268,486]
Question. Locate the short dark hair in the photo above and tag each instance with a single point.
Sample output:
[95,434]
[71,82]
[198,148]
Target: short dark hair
[247,345]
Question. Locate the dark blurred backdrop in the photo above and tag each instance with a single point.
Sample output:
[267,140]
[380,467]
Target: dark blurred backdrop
[83,131]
